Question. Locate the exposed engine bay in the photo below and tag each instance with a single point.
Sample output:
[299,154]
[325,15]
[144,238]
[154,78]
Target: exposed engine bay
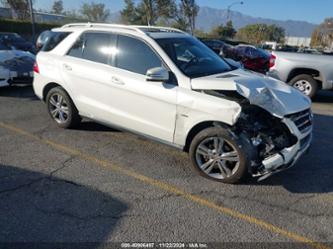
[264,134]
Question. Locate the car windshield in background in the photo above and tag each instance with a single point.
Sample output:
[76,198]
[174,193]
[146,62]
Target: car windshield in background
[192,57]
[11,37]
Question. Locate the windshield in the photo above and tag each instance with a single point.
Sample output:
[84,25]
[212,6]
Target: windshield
[192,57]
[11,37]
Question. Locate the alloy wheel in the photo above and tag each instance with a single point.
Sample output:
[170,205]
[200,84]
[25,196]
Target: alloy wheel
[217,157]
[58,108]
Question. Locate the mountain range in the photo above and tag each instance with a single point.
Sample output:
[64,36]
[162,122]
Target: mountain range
[210,17]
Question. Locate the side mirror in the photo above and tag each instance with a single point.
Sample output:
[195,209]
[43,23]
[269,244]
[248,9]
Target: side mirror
[157,74]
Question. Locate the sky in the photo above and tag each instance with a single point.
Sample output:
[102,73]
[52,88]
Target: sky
[304,10]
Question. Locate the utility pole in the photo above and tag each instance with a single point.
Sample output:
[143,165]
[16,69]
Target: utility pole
[32,21]
[229,7]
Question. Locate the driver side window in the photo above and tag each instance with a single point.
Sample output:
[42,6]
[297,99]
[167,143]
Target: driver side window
[135,55]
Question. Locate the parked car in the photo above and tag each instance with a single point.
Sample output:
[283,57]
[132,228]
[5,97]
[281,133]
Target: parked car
[306,72]
[308,51]
[286,48]
[220,48]
[252,58]
[217,46]
[255,59]
[16,66]
[15,41]
[166,85]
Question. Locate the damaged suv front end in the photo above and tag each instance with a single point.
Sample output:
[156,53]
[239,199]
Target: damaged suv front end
[275,123]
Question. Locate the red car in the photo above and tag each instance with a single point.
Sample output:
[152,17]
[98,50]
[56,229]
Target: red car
[255,59]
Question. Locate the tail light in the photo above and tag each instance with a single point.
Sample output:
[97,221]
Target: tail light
[36,68]
[272,61]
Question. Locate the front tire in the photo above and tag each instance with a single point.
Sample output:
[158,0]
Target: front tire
[219,156]
[306,84]
[62,109]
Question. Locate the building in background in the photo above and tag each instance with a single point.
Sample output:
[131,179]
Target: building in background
[40,17]
[6,13]
[297,41]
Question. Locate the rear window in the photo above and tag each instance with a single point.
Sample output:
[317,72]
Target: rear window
[53,39]
[94,46]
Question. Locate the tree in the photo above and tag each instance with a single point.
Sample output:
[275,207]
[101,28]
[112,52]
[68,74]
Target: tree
[257,33]
[223,32]
[95,12]
[166,11]
[58,7]
[129,14]
[20,8]
[322,36]
[187,13]
[148,12]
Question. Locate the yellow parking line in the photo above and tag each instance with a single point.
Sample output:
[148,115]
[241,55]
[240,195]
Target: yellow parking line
[168,187]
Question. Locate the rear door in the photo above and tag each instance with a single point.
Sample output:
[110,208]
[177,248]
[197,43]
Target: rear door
[86,69]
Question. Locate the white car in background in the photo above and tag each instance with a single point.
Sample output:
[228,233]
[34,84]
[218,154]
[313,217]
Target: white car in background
[164,84]
[16,66]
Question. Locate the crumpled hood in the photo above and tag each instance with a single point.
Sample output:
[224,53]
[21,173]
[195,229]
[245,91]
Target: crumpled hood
[270,94]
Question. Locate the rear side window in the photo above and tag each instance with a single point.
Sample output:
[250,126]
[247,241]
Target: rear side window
[52,39]
[135,55]
[96,47]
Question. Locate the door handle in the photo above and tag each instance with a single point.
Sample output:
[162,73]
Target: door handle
[67,67]
[117,81]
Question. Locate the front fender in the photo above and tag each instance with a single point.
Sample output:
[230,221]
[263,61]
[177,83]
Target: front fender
[194,108]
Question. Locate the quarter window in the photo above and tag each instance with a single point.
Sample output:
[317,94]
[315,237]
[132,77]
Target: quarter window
[135,56]
[77,49]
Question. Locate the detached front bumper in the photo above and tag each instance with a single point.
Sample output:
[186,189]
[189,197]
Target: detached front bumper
[300,125]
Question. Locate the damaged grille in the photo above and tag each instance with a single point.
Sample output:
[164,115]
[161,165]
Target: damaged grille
[305,141]
[303,120]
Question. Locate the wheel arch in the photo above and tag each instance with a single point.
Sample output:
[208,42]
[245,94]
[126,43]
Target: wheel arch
[302,70]
[198,128]
[50,86]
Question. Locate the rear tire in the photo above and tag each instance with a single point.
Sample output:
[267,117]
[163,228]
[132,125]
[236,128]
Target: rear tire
[62,109]
[306,84]
[217,155]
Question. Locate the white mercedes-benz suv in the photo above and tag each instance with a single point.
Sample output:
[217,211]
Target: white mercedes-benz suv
[165,84]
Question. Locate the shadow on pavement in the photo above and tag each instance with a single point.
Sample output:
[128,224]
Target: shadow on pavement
[37,207]
[25,92]
[92,126]
[313,173]
[323,97]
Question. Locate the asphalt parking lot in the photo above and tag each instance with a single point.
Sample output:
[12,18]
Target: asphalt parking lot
[96,184]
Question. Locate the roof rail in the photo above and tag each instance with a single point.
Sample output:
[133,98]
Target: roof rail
[139,28]
[102,25]
[168,29]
